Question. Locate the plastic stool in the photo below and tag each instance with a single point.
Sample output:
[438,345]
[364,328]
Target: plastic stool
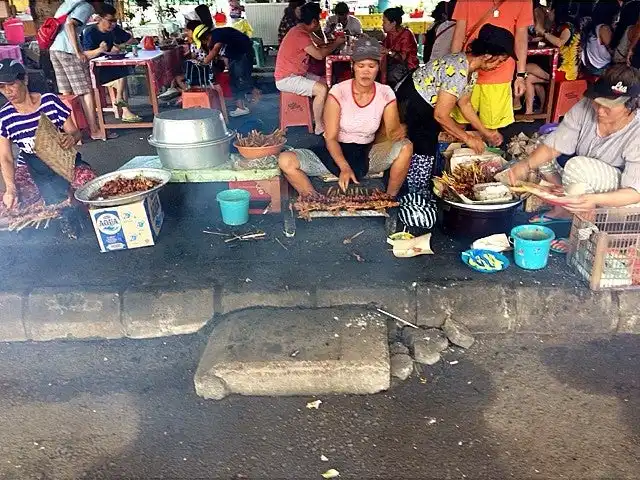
[77,112]
[205,98]
[258,51]
[224,81]
[568,93]
[295,111]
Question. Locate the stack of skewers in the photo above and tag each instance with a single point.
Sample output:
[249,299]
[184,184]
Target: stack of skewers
[33,216]
[354,199]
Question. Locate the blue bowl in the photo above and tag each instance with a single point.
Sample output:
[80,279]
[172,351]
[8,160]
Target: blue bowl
[474,259]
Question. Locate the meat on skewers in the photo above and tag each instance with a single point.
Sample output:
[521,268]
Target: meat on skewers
[334,200]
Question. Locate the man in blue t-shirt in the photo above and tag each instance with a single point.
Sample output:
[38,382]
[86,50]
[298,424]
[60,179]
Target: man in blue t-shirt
[106,36]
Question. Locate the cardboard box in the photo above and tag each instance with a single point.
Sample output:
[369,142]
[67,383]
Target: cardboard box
[128,226]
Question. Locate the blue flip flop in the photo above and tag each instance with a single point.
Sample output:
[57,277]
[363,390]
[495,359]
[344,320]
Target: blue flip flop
[543,219]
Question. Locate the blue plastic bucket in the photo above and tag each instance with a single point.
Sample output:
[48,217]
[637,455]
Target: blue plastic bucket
[234,205]
[531,246]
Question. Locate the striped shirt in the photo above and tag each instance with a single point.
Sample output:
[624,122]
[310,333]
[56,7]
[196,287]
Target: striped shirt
[20,128]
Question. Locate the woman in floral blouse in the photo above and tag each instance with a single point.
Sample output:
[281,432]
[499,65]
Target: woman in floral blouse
[399,45]
[290,18]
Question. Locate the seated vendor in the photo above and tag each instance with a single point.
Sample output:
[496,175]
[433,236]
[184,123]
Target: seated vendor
[353,114]
[602,134]
[18,125]
[431,95]
[106,36]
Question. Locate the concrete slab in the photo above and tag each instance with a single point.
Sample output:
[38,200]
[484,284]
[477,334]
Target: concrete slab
[296,352]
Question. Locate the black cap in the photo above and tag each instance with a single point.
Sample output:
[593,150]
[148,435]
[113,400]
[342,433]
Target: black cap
[10,70]
[498,40]
[610,94]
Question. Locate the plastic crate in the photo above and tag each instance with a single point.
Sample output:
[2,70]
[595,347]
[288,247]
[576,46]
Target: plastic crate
[605,248]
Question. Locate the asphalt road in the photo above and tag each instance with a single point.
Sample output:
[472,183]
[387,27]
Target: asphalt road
[512,407]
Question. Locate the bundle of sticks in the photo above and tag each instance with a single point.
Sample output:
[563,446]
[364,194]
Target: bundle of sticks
[259,139]
[34,215]
[354,199]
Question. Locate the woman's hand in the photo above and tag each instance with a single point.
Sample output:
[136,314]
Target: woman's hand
[347,176]
[10,198]
[520,171]
[66,141]
[581,203]
[494,137]
[475,143]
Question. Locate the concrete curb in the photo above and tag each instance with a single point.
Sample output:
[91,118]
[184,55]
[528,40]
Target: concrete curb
[67,313]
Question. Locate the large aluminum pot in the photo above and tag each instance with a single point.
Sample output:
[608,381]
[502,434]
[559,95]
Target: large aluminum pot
[191,139]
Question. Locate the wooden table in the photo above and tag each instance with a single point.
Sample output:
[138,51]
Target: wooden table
[554,55]
[161,68]
[331,59]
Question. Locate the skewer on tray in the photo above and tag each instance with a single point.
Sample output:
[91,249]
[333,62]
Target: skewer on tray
[354,199]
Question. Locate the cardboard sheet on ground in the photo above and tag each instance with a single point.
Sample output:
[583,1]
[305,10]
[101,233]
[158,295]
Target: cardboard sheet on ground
[48,149]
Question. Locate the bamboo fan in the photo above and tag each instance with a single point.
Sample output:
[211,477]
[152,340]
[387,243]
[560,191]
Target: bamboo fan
[48,149]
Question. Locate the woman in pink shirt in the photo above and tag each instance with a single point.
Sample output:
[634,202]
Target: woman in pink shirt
[353,113]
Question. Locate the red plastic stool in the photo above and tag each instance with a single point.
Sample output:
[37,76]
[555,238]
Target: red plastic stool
[568,93]
[77,112]
[295,111]
[224,81]
[205,98]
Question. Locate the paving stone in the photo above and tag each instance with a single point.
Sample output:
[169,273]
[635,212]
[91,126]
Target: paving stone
[458,333]
[431,335]
[427,351]
[484,307]
[249,295]
[337,350]
[67,313]
[398,348]
[157,313]
[397,301]
[401,366]
[556,310]
[629,311]
[11,326]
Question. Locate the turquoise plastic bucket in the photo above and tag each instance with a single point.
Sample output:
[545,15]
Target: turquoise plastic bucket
[531,246]
[234,205]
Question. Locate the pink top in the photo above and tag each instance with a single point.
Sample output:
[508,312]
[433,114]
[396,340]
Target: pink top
[359,123]
[292,60]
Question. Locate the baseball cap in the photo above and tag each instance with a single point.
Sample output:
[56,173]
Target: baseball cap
[366,48]
[10,70]
[499,41]
[609,94]
[199,31]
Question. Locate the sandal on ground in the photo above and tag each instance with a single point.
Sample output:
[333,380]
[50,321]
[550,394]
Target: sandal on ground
[560,245]
[110,136]
[544,219]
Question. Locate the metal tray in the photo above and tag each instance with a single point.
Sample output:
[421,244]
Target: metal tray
[485,207]
[88,190]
